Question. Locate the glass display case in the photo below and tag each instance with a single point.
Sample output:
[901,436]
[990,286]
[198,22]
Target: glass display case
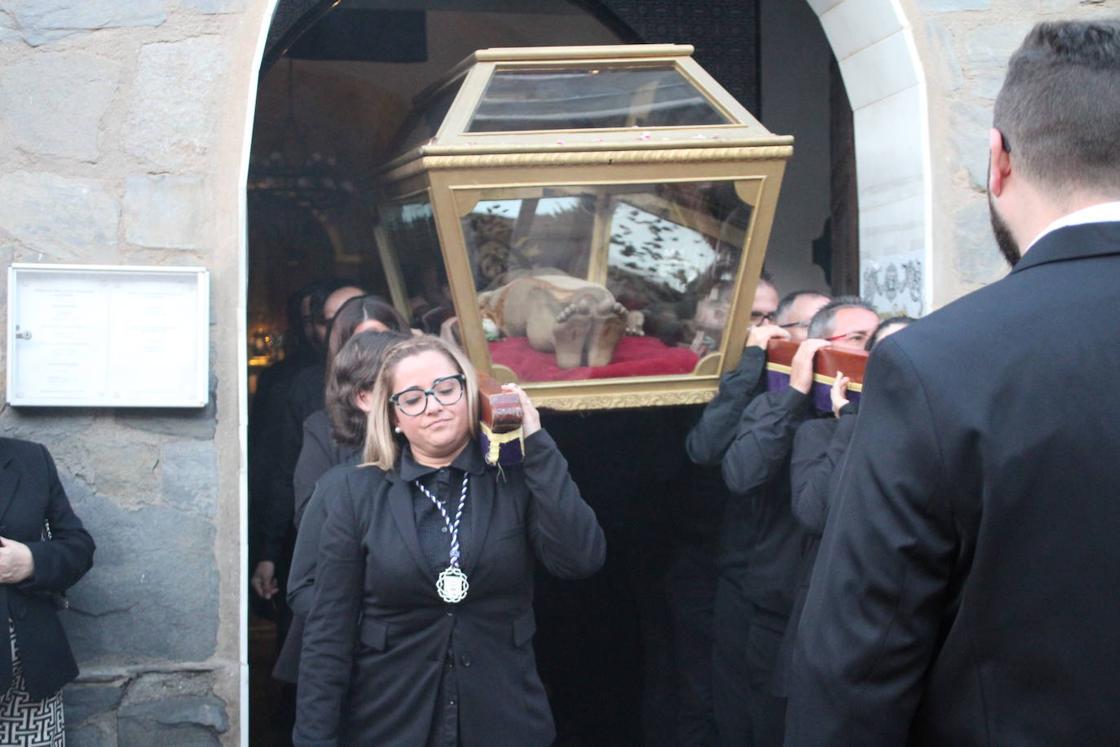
[589,221]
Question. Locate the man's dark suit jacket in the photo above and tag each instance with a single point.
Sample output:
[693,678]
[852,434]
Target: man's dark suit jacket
[377,634]
[967,589]
[29,493]
[818,448]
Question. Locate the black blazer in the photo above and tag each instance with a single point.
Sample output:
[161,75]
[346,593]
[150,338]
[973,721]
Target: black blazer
[377,634]
[301,576]
[756,468]
[30,492]
[318,453]
[967,588]
[818,448]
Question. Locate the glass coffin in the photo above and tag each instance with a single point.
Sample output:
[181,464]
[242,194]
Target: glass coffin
[589,221]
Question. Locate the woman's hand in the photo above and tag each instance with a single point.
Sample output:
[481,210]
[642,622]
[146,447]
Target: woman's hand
[838,392]
[531,419]
[16,562]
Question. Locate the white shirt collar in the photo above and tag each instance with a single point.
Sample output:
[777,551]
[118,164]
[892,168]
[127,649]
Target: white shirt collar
[1105,212]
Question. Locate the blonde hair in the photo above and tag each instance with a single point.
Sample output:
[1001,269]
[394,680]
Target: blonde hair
[382,447]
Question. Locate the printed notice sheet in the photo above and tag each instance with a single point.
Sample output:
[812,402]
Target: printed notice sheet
[108,336]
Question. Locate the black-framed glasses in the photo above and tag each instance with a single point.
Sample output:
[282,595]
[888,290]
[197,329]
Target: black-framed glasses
[414,401]
[791,325]
[761,316]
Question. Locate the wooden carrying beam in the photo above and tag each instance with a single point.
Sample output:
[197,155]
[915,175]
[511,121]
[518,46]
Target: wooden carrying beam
[500,416]
[779,362]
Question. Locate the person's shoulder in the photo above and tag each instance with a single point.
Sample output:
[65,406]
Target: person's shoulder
[20,448]
[318,423]
[355,484]
[814,433]
[309,375]
[360,479]
[963,328]
[817,426]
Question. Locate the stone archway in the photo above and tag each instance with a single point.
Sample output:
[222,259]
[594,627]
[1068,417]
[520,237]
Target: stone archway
[874,44]
[882,72]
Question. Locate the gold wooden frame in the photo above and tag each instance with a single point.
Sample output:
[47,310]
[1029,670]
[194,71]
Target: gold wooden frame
[457,166]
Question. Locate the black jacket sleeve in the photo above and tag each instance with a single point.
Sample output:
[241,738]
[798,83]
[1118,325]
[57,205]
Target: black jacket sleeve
[317,454]
[65,558]
[331,631]
[763,440]
[876,598]
[305,396]
[818,447]
[563,529]
[305,557]
[713,433]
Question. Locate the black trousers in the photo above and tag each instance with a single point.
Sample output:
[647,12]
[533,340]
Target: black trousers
[691,586]
[745,646]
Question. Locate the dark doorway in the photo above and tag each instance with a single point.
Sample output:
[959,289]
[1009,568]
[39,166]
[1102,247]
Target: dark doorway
[336,84]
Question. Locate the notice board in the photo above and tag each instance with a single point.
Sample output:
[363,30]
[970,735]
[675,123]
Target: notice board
[108,336]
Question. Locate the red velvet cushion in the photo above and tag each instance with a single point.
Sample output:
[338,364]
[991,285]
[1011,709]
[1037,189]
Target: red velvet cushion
[633,356]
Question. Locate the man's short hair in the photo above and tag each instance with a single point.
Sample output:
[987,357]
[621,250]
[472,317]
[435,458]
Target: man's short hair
[790,298]
[820,325]
[1059,107]
[320,290]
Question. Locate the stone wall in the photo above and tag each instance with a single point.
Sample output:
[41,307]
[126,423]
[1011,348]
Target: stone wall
[964,46]
[123,136]
[122,126]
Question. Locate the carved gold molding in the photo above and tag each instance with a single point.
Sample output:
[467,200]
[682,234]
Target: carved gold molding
[591,158]
[620,400]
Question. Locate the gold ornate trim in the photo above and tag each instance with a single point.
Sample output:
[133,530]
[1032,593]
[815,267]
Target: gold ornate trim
[598,52]
[593,158]
[620,400]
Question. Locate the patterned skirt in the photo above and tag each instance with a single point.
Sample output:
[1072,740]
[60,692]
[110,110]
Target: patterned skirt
[25,722]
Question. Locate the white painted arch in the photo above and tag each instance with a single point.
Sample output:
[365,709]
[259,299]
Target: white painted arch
[874,43]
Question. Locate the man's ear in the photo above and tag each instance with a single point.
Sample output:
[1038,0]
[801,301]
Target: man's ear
[999,162]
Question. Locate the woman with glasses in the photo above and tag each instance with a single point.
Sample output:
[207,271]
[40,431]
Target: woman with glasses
[420,632]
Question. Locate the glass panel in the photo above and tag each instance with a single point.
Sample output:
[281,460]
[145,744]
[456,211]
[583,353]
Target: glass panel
[575,99]
[605,281]
[410,231]
[423,123]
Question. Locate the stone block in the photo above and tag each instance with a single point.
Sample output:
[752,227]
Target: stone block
[60,217]
[175,708]
[86,701]
[971,124]
[94,734]
[206,711]
[953,6]
[181,423]
[173,108]
[988,49]
[189,476]
[165,211]
[153,590]
[8,30]
[941,40]
[977,260]
[44,21]
[123,465]
[53,103]
[133,732]
[214,6]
